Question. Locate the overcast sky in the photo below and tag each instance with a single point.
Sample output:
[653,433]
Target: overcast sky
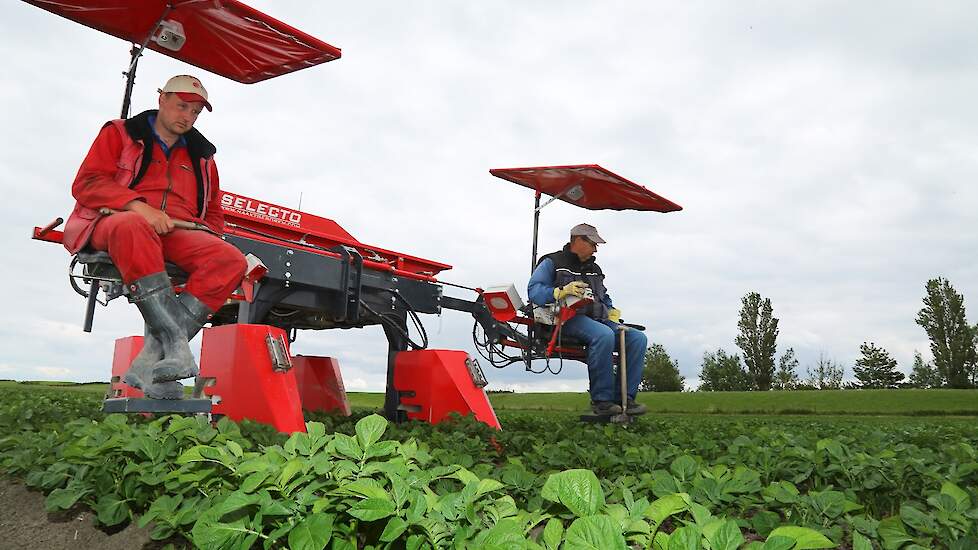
[824,154]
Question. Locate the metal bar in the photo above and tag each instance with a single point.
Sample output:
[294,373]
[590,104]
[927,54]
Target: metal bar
[536,230]
[90,305]
[136,53]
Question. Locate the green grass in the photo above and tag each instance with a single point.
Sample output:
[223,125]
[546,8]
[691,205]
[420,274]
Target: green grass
[831,402]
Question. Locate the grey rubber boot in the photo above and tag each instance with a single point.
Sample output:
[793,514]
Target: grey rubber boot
[141,367]
[155,300]
[196,314]
[191,314]
[140,373]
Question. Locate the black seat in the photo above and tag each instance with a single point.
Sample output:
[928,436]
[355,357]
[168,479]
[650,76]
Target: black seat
[99,264]
[99,269]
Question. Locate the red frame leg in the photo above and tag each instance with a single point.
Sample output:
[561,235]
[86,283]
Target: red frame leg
[320,384]
[441,384]
[240,371]
[126,349]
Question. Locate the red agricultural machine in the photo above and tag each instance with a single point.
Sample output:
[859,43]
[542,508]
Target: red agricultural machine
[306,272]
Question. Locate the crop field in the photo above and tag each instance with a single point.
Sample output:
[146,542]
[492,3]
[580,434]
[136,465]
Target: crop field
[670,481]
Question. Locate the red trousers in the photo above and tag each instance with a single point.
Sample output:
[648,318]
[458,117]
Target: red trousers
[215,267]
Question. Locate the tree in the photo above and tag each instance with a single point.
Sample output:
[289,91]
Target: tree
[661,372]
[785,378]
[757,338]
[876,369]
[722,372]
[924,375]
[952,339]
[827,374]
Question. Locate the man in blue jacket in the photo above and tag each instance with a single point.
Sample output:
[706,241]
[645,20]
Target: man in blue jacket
[569,272]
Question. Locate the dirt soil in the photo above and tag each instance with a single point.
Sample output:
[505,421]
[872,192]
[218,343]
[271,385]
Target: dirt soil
[24,524]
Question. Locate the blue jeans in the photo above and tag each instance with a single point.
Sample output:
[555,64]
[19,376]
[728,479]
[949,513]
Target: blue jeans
[602,338]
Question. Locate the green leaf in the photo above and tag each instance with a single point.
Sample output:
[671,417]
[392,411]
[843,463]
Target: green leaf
[685,538]
[860,541]
[372,509]
[917,520]
[578,490]
[727,537]
[365,487]
[347,445]
[235,449]
[487,485]
[291,468]
[958,494]
[893,533]
[111,510]
[369,429]
[253,481]
[805,538]
[312,533]
[62,499]
[594,533]
[778,543]
[664,507]
[683,467]
[395,527]
[235,501]
[764,522]
[553,533]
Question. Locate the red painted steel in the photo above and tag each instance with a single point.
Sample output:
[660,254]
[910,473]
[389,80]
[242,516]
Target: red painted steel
[236,357]
[320,384]
[442,385]
[248,217]
[126,349]
[224,37]
[588,186]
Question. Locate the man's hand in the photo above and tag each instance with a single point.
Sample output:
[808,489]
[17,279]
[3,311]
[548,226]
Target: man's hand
[614,315]
[157,219]
[573,288]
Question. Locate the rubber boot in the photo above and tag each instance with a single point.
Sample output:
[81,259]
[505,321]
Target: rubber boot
[140,373]
[155,300]
[196,314]
[191,314]
[141,367]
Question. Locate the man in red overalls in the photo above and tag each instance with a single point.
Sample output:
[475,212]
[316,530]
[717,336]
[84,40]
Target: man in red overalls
[150,170]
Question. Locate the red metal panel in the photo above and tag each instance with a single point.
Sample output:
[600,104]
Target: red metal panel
[126,349]
[236,357]
[588,186]
[442,385]
[320,384]
[225,37]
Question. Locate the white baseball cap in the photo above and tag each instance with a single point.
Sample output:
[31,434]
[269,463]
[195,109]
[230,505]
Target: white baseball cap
[586,230]
[188,88]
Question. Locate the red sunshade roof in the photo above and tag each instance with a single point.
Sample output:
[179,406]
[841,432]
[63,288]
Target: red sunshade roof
[588,186]
[224,37]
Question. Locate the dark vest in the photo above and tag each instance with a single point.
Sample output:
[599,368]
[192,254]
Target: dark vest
[568,267]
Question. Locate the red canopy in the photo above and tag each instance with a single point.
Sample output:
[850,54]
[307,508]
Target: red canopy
[588,186]
[224,37]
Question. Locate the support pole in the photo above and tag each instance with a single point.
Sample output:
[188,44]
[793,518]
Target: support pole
[392,400]
[536,230]
[130,79]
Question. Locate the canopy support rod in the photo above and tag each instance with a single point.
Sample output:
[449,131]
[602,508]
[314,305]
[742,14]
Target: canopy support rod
[136,53]
[536,230]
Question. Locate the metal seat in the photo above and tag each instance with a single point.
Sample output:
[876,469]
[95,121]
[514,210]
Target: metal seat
[99,272]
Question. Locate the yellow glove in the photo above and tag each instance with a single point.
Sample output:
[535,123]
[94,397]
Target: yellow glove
[614,315]
[573,288]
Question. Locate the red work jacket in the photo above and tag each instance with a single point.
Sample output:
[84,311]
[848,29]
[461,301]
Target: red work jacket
[105,178]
